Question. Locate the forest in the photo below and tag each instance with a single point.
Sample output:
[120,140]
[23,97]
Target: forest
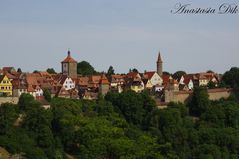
[122,126]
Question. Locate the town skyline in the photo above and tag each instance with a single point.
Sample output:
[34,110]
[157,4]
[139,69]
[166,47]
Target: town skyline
[36,36]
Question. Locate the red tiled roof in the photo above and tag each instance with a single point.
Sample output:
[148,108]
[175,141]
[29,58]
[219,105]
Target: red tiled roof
[10,76]
[149,75]
[83,81]
[187,79]
[95,78]
[69,59]
[117,76]
[8,69]
[104,80]
[132,75]
[166,78]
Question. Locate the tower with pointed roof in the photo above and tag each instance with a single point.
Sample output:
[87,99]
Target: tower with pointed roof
[159,65]
[69,66]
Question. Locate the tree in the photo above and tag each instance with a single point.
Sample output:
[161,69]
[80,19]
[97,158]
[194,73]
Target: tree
[110,71]
[211,85]
[51,71]
[210,71]
[35,71]
[84,68]
[8,115]
[166,73]
[199,101]
[178,74]
[19,70]
[135,70]
[231,77]
[26,102]
[47,95]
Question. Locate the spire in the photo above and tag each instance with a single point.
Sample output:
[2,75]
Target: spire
[159,58]
[159,64]
[68,52]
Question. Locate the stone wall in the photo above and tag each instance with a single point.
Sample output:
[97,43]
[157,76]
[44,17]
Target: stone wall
[184,96]
[13,100]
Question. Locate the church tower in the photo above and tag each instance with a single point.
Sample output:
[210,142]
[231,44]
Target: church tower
[159,65]
[69,66]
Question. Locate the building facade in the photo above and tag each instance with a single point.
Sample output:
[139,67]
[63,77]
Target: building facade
[69,66]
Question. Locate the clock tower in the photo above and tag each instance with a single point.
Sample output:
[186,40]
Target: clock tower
[69,66]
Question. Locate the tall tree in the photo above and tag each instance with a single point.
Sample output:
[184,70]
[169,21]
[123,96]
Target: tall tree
[19,70]
[110,71]
[47,95]
[51,71]
[85,68]
[231,77]
[178,74]
[199,101]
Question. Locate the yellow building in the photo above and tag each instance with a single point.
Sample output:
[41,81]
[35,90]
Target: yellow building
[5,86]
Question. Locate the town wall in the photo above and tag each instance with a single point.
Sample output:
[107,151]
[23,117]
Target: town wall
[184,96]
[13,100]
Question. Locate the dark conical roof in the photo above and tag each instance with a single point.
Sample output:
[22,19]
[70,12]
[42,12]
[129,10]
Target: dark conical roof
[159,58]
[69,58]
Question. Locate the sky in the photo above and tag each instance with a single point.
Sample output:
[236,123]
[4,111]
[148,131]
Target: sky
[35,35]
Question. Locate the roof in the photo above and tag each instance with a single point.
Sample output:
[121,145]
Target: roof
[69,59]
[159,58]
[8,69]
[95,79]
[10,76]
[166,78]
[133,75]
[149,75]
[1,77]
[104,80]
[83,81]
[117,78]
[187,79]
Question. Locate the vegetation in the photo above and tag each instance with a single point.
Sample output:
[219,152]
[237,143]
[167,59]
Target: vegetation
[122,126]
[178,74]
[51,71]
[231,77]
[47,95]
[110,71]
[85,68]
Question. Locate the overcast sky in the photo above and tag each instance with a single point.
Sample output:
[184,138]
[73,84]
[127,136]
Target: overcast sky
[35,35]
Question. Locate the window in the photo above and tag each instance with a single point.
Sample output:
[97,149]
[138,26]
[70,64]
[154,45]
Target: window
[9,87]
[2,88]
[65,86]
[4,81]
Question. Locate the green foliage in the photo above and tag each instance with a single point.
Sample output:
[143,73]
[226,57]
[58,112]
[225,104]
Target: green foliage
[19,70]
[84,68]
[51,71]
[166,73]
[178,74]
[47,95]
[110,71]
[133,106]
[199,102]
[211,85]
[26,102]
[231,77]
[8,115]
[35,71]
[122,126]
